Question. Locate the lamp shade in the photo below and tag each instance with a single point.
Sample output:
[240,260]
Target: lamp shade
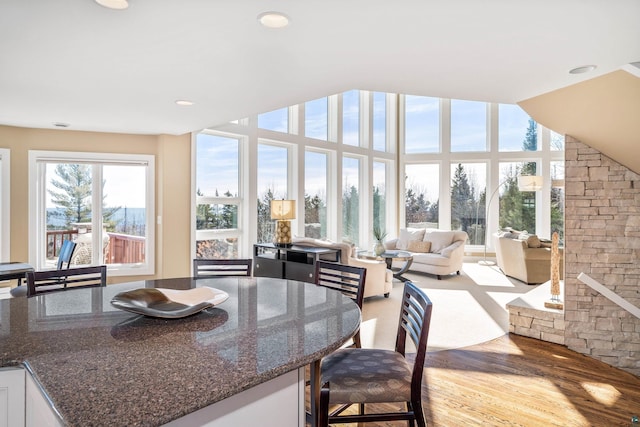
[283,209]
[530,183]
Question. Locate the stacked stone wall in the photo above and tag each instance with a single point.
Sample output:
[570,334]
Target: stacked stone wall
[602,239]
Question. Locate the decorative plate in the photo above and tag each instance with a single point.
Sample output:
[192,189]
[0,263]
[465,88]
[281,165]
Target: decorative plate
[168,303]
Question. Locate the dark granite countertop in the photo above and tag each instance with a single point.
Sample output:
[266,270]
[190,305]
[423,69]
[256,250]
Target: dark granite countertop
[101,366]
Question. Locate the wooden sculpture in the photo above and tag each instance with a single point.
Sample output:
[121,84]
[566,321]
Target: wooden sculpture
[555,275]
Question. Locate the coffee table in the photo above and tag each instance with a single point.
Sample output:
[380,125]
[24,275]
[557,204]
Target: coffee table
[388,256]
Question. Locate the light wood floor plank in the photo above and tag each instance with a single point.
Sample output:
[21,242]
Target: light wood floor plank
[518,381]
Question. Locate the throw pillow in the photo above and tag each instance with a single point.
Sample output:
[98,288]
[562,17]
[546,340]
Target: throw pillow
[416,246]
[533,241]
[407,234]
[439,240]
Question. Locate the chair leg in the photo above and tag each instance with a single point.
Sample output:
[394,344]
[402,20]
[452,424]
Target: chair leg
[323,408]
[439,277]
[419,413]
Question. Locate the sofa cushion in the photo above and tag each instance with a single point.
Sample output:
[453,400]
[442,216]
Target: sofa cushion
[431,259]
[439,240]
[407,234]
[419,246]
[532,240]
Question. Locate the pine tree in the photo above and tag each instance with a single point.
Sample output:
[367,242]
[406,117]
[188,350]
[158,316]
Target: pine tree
[75,184]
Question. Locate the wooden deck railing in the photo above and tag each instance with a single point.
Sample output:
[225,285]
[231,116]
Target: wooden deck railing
[121,249]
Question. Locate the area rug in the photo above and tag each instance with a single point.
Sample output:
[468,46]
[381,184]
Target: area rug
[467,309]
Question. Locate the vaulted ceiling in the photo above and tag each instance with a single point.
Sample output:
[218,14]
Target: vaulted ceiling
[98,69]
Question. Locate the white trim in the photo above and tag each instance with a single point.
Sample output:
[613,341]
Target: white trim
[5,205]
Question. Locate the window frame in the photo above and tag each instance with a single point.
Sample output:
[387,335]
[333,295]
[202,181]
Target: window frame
[37,217]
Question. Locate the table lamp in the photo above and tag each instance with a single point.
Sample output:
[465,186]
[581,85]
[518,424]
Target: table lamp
[283,211]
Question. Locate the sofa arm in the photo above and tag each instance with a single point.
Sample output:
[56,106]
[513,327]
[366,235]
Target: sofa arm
[379,279]
[446,252]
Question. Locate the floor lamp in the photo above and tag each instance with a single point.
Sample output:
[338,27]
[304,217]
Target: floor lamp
[525,183]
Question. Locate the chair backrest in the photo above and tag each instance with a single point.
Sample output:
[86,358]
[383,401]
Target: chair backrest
[415,319]
[65,254]
[221,268]
[39,282]
[348,279]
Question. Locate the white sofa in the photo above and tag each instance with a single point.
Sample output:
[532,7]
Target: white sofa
[434,251]
[379,280]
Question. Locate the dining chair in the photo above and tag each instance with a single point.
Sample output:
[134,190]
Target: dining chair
[40,282]
[347,279]
[221,267]
[65,254]
[364,376]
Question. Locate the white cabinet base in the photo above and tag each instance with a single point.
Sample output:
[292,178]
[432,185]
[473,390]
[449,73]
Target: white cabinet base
[12,397]
[276,403]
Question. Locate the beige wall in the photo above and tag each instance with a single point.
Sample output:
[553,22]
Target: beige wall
[173,177]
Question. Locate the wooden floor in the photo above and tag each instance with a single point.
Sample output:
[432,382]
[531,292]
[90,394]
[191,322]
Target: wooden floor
[518,381]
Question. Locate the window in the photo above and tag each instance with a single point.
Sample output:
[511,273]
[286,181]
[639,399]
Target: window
[557,198]
[351,118]
[422,189]
[218,199]
[468,126]
[557,141]
[380,195]
[422,124]
[351,199]
[379,121]
[277,120]
[468,187]
[77,194]
[517,208]
[315,194]
[516,130]
[273,181]
[5,223]
[316,119]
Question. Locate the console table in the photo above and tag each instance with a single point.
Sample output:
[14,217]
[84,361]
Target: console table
[293,263]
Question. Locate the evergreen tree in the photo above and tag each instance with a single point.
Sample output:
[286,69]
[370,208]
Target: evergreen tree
[350,214]
[75,183]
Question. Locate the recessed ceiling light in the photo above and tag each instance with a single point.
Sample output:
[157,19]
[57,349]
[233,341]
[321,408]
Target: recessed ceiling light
[184,102]
[583,69]
[61,125]
[273,19]
[114,4]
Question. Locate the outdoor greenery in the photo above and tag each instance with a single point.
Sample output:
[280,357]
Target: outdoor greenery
[73,200]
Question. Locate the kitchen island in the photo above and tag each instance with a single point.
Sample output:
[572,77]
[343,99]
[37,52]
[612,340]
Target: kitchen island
[102,366]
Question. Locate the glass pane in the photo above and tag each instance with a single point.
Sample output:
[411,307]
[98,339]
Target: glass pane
[124,214]
[422,183]
[468,125]
[380,196]
[557,142]
[516,130]
[315,194]
[557,200]
[277,120]
[350,199]
[517,208]
[217,166]
[316,116]
[468,187]
[422,124]
[380,121]
[216,217]
[225,248]
[351,118]
[272,184]
[68,208]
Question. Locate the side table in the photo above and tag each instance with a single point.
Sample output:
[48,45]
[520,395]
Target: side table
[388,256]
